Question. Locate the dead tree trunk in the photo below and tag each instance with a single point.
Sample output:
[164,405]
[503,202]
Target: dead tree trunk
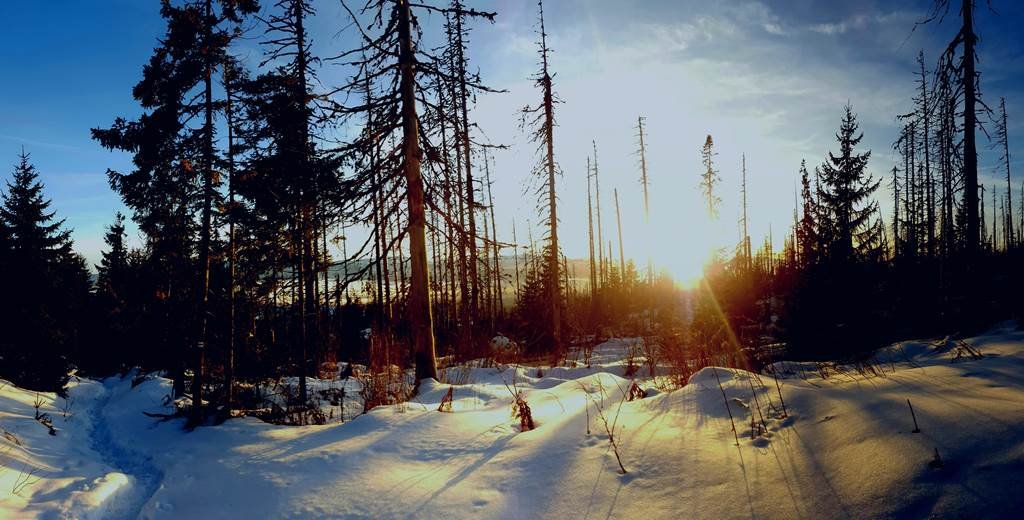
[618,223]
[420,314]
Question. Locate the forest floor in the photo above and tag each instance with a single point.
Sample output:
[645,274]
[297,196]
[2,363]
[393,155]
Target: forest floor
[845,447]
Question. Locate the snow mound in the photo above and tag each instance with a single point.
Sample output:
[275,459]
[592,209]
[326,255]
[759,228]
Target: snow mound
[841,446]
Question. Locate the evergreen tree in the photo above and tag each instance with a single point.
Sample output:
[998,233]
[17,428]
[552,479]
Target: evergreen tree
[807,233]
[44,323]
[709,178]
[110,274]
[174,186]
[35,238]
[113,287]
[543,122]
[846,195]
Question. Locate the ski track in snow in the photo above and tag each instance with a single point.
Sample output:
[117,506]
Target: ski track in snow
[144,477]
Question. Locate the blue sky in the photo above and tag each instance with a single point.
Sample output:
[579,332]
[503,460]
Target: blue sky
[767,79]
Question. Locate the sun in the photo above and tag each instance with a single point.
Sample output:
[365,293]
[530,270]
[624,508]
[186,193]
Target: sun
[686,268]
[685,255]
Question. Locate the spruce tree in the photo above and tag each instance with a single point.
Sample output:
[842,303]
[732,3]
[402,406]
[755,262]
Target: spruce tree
[846,195]
[110,273]
[542,119]
[44,322]
[113,290]
[807,233]
[173,187]
[709,178]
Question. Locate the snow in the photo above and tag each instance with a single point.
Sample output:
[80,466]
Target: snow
[844,449]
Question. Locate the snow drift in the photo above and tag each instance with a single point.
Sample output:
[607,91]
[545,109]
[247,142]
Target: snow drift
[845,448]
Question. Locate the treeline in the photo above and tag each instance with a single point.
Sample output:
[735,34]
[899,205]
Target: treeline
[249,182]
[849,280]
[253,178]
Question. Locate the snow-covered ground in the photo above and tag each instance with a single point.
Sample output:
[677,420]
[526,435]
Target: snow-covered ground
[846,448]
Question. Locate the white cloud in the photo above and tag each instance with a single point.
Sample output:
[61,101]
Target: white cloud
[719,71]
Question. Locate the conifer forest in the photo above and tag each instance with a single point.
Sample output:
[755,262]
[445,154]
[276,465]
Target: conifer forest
[512,259]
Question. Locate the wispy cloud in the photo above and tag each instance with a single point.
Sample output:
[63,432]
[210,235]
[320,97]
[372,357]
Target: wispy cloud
[864,21]
[42,144]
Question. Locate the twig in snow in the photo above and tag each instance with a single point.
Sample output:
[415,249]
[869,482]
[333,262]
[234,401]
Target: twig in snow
[586,395]
[757,403]
[779,389]
[914,416]
[24,479]
[727,409]
[610,428]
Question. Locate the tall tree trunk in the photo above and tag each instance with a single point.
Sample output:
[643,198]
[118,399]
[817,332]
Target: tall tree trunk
[1010,236]
[590,236]
[377,211]
[928,198]
[970,122]
[487,275]
[307,196]
[515,252]
[746,234]
[465,318]
[618,223]
[204,237]
[499,294]
[229,366]
[600,233]
[647,206]
[549,141]
[420,314]
[463,102]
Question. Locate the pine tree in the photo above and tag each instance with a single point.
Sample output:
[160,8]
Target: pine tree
[113,296]
[807,234]
[110,274]
[709,178]
[44,323]
[287,101]
[543,122]
[846,195]
[176,164]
